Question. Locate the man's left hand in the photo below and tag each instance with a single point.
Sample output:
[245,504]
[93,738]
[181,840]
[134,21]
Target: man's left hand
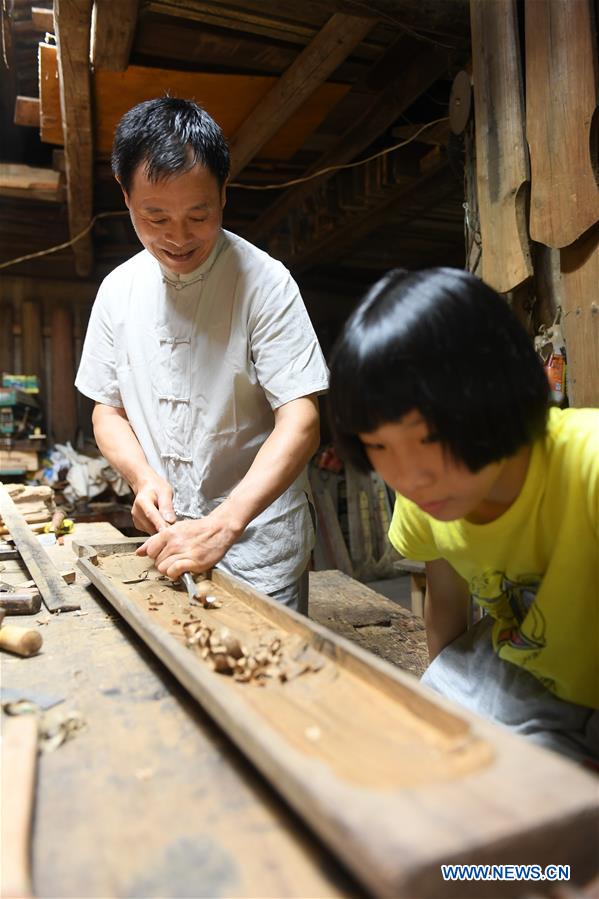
[190,545]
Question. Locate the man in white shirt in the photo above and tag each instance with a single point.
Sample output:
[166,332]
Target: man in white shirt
[204,367]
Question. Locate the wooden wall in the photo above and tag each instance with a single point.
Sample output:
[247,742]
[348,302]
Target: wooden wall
[42,328]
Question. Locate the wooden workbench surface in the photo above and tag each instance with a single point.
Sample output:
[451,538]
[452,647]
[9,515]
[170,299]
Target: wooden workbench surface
[375,623]
[150,798]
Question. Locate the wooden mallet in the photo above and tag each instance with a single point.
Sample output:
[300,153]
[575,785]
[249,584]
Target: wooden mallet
[23,641]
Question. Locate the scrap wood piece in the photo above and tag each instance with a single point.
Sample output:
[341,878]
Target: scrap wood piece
[56,594]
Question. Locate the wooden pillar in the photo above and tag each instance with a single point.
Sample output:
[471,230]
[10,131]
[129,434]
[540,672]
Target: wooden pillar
[32,356]
[580,317]
[7,337]
[64,404]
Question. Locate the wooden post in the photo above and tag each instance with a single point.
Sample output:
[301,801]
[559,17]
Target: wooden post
[579,265]
[64,405]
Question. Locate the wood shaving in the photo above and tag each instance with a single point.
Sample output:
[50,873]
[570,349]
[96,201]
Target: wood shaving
[269,660]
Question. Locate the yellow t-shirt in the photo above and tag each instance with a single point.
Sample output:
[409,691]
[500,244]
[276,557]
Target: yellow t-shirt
[535,569]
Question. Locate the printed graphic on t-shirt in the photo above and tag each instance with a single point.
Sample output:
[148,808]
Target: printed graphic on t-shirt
[513,603]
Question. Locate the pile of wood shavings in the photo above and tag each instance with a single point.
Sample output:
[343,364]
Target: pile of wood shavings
[225,654]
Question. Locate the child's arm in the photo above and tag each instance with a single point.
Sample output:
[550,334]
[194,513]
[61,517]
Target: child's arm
[445,606]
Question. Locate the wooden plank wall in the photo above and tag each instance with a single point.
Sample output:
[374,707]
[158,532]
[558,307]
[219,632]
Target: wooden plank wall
[559,45]
[45,325]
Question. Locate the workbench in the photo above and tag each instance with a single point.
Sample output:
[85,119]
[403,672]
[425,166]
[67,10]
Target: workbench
[149,798]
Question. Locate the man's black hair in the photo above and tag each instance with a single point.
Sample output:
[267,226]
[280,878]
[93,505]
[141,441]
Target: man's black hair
[441,342]
[168,136]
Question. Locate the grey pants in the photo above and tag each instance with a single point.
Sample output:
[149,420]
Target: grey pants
[469,672]
[295,595]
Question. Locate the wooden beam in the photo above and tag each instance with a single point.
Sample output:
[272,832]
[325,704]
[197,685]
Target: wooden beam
[27,112]
[73,20]
[113,28]
[42,19]
[415,78]
[312,67]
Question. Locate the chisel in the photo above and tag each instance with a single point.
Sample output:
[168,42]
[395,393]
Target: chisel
[192,592]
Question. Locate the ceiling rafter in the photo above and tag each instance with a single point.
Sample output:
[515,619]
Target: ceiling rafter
[423,70]
[113,29]
[331,46]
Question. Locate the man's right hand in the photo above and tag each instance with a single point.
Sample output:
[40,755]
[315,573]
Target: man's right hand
[153,507]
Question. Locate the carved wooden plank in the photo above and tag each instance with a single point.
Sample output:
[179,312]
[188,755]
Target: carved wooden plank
[56,594]
[73,18]
[469,790]
[229,98]
[579,265]
[27,112]
[562,93]
[422,71]
[113,29]
[501,160]
[312,67]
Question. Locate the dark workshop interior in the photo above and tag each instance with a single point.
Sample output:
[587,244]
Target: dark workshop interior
[364,136]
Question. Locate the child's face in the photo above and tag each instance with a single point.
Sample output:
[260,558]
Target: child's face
[414,464]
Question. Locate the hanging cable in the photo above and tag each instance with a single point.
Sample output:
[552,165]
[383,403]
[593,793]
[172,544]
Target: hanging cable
[331,168]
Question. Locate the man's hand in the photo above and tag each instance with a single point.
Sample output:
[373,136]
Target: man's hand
[190,545]
[153,507]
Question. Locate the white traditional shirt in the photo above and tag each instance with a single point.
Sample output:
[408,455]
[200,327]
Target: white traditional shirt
[199,362]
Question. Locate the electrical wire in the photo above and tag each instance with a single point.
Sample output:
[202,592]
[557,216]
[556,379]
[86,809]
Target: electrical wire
[331,168]
[67,243]
[338,168]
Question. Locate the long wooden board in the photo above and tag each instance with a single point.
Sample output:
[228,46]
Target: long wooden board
[501,160]
[392,778]
[562,93]
[57,596]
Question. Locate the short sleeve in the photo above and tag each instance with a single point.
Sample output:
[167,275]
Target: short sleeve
[97,376]
[285,350]
[410,532]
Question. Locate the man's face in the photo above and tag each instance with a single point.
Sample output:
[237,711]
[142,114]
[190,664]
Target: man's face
[414,464]
[177,219]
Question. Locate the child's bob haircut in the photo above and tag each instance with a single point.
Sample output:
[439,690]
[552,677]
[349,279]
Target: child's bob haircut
[443,343]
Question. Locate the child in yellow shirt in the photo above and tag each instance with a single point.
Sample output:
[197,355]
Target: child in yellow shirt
[436,386]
